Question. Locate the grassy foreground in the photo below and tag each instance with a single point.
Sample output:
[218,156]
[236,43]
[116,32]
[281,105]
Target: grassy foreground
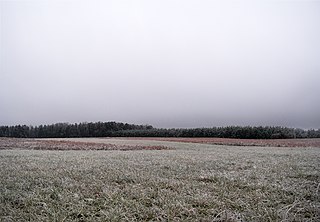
[191,182]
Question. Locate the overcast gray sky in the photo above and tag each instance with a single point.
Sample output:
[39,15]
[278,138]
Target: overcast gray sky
[168,63]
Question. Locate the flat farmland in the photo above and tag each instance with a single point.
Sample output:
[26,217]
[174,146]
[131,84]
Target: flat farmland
[148,179]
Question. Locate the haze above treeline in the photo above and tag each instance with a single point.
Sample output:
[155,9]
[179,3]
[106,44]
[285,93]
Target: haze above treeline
[171,64]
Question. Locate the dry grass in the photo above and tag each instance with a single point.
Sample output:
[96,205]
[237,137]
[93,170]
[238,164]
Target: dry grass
[60,144]
[314,142]
[190,182]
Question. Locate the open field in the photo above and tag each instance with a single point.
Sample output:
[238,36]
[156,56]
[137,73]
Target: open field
[315,142]
[60,144]
[114,179]
[243,142]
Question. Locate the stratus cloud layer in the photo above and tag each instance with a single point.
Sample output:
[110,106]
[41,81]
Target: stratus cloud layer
[170,64]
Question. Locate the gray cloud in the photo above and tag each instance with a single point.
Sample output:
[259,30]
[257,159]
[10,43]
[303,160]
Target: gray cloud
[165,63]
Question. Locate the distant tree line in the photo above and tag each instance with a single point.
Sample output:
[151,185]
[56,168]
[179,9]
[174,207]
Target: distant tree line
[65,130]
[115,129]
[239,132]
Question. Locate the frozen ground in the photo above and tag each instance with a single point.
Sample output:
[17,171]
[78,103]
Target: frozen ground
[188,182]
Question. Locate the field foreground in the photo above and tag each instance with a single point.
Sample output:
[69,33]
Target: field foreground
[181,182]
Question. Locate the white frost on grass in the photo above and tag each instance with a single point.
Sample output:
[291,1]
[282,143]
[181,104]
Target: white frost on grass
[191,182]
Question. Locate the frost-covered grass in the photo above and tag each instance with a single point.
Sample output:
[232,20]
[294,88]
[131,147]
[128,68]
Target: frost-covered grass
[192,182]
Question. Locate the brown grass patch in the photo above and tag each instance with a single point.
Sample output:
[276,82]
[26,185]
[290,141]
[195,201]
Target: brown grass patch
[240,142]
[34,144]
